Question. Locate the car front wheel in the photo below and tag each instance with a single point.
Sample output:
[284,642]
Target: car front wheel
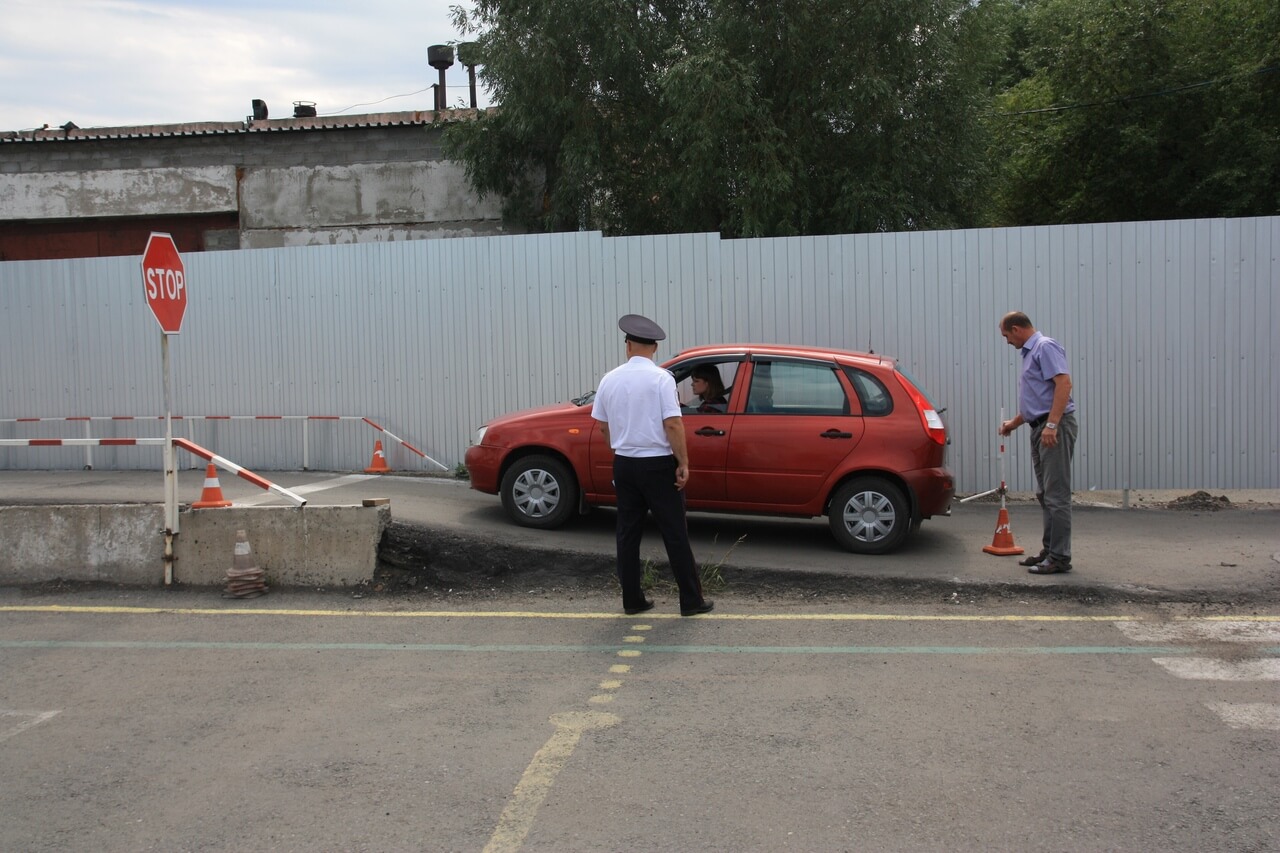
[539,491]
[869,516]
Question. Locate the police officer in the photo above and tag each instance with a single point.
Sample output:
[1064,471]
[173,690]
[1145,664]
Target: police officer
[639,414]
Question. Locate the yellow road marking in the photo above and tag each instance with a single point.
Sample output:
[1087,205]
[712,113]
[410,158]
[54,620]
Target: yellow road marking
[517,818]
[633,639]
[620,668]
[612,684]
[629,653]
[534,614]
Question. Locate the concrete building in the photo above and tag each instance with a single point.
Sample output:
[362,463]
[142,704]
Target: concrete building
[74,192]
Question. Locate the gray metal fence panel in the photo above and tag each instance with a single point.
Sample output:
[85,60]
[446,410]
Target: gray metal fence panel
[1169,326]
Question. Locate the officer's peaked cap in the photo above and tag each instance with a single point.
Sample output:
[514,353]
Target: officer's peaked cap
[641,329]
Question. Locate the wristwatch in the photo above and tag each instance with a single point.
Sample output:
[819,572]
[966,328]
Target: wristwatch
[1050,425]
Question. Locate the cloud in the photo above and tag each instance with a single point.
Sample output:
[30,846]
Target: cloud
[122,62]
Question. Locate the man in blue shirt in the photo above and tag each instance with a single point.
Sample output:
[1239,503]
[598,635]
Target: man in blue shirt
[1044,403]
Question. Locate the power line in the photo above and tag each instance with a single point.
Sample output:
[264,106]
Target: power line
[373,103]
[1127,98]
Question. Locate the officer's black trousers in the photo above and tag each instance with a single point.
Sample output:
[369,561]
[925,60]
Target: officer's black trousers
[649,484]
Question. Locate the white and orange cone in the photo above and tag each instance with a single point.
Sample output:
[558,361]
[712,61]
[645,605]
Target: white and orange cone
[1002,544]
[379,463]
[244,578]
[211,497]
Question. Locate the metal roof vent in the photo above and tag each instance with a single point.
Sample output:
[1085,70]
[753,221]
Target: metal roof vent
[304,109]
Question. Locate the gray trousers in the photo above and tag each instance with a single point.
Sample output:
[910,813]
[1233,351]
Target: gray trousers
[1053,484]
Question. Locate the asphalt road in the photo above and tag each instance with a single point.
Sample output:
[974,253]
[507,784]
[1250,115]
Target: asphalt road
[177,721]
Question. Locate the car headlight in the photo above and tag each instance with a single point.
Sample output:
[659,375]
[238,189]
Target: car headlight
[480,434]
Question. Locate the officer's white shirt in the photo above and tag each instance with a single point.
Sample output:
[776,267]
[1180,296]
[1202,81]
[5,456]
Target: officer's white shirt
[634,399]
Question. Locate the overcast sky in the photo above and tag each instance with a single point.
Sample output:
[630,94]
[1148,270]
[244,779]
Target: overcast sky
[102,63]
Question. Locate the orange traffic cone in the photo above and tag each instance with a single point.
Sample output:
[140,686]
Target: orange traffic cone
[211,497]
[1002,544]
[379,463]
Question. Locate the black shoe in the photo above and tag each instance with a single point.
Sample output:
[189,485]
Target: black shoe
[1051,566]
[632,611]
[705,607]
[1034,561]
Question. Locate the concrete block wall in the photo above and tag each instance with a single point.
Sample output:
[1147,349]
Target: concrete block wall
[331,546]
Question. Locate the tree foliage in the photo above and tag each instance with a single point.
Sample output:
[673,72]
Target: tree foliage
[1140,109]
[744,117]
[754,118]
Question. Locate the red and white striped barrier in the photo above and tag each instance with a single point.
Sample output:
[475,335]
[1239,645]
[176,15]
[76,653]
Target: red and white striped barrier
[242,473]
[190,447]
[87,420]
[404,443]
[80,442]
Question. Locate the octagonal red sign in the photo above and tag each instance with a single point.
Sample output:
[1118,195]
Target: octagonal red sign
[164,279]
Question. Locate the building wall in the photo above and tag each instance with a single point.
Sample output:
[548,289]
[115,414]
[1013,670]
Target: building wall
[287,182]
[1169,327]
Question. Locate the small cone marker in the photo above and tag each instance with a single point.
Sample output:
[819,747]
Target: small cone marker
[379,463]
[244,578]
[211,497]
[1002,544]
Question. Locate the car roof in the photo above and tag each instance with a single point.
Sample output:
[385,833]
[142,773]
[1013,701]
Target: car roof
[785,351]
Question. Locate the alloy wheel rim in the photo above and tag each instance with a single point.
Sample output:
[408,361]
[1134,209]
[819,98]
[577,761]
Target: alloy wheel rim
[536,493]
[869,516]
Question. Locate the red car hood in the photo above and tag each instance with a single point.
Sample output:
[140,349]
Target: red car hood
[512,418]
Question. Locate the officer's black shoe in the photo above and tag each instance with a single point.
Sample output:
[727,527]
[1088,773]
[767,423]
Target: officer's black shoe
[705,607]
[632,611]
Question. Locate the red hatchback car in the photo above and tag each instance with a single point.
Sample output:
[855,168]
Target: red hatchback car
[791,431]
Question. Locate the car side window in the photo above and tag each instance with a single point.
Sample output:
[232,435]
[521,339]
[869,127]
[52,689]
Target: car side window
[704,388]
[796,388]
[875,398]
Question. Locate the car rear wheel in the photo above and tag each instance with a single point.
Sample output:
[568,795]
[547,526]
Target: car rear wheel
[869,516]
[539,491]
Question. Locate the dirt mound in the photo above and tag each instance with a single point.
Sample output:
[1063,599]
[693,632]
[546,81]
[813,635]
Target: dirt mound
[1200,501]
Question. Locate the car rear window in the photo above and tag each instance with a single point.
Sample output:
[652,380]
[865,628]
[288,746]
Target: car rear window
[875,398]
[916,382]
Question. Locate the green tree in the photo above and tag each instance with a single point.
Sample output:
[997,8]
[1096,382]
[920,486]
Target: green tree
[1139,109]
[743,117]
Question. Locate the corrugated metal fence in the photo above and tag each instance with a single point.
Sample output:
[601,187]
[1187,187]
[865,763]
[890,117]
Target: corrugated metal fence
[1170,327]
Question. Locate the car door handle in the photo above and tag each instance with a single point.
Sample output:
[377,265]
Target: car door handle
[709,431]
[835,433]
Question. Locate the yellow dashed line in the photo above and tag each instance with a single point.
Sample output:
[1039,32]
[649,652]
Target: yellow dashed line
[620,668]
[610,685]
[629,653]
[517,817]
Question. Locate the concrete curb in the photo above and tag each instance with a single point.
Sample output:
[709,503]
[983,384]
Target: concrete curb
[124,544]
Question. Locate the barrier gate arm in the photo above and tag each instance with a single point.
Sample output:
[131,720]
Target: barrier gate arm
[242,473]
[189,446]
[392,435]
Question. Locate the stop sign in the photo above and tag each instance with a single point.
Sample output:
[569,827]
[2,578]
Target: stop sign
[164,278]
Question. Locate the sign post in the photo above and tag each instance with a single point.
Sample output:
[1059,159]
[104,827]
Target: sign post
[164,280]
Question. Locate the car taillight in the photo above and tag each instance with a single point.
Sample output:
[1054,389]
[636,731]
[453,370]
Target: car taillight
[933,425]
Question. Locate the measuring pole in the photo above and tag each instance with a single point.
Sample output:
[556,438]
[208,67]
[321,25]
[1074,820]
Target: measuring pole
[1001,489]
